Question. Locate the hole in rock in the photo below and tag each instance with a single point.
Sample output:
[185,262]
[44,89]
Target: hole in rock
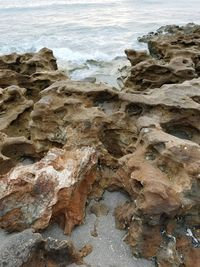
[106,102]
[31,68]
[163,168]
[111,139]
[32,94]
[28,160]
[196,99]
[18,151]
[68,94]
[60,112]
[60,257]
[180,133]
[185,61]
[164,219]
[151,154]
[6,166]
[134,109]
[193,192]
[160,147]
[190,73]
[42,84]
[104,97]
[187,132]
[20,126]
[137,185]
[13,97]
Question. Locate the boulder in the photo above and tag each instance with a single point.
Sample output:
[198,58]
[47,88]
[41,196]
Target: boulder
[54,188]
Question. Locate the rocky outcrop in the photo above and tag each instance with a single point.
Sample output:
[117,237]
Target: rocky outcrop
[34,71]
[173,58]
[63,142]
[148,146]
[162,175]
[22,77]
[29,63]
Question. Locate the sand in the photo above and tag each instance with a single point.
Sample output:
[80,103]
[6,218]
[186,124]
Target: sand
[109,250]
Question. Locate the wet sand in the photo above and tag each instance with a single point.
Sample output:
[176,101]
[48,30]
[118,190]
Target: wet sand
[109,250]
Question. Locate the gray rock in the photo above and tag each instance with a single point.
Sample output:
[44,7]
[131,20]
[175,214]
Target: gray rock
[15,249]
[30,249]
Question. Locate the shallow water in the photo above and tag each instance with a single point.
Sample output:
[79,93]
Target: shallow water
[89,29]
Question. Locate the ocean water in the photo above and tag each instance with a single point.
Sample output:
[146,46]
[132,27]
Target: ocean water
[82,30]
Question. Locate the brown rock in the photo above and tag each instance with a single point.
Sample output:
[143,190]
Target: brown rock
[34,71]
[174,58]
[191,254]
[12,103]
[147,144]
[29,63]
[55,187]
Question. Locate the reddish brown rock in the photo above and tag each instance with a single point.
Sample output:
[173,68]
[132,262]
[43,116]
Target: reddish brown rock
[55,187]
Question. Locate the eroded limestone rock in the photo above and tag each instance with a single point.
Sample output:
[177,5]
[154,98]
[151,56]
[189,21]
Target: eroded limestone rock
[162,175]
[73,140]
[22,77]
[174,58]
[12,103]
[56,187]
[33,71]
[29,63]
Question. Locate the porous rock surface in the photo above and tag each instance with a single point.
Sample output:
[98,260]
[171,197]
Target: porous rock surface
[173,58]
[63,142]
[30,249]
[55,187]
[33,71]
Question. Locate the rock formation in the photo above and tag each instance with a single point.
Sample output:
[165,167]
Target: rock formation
[55,187]
[173,58]
[64,142]
[30,249]
[33,71]
[162,175]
